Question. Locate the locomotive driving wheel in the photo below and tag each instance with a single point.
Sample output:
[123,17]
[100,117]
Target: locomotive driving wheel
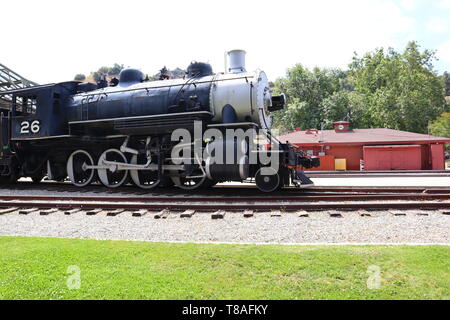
[196,179]
[112,176]
[145,179]
[189,183]
[148,179]
[267,181]
[78,174]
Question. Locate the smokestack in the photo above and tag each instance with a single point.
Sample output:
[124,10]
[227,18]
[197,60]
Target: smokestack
[237,61]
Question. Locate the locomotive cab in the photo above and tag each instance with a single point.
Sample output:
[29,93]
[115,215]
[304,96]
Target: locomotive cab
[37,112]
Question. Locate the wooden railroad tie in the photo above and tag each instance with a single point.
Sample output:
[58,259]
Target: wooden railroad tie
[445,211]
[139,213]
[46,212]
[8,210]
[397,213]
[27,211]
[303,214]
[248,213]
[93,212]
[113,213]
[364,213]
[163,214]
[72,211]
[187,214]
[275,213]
[335,214]
[220,214]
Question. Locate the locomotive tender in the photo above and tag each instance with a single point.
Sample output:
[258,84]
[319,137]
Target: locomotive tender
[87,132]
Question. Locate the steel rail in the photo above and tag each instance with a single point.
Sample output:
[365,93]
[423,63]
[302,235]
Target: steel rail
[225,198]
[223,190]
[233,206]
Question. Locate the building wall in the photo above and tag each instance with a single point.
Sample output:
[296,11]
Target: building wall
[394,157]
[437,156]
[426,157]
[354,153]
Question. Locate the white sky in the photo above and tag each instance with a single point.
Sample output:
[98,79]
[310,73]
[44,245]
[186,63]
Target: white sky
[50,41]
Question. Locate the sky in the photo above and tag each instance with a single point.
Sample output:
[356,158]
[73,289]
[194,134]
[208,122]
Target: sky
[50,41]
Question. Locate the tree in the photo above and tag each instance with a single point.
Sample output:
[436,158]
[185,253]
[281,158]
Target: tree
[446,79]
[96,75]
[441,126]
[345,104]
[80,77]
[178,73]
[110,71]
[383,88]
[104,70]
[305,91]
[402,90]
[174,74]
[115,69]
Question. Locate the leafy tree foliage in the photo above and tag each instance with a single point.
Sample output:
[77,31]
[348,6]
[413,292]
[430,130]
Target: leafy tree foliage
[345,105]
[173,73]
[79,77]
[110,71]
[446,79]
[402,90]
[305,91]
[178,73]
[115,69]
[441,126]
[380,89]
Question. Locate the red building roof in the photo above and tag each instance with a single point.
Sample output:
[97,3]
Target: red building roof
[359,136]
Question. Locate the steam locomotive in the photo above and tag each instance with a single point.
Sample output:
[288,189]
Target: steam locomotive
[124,132]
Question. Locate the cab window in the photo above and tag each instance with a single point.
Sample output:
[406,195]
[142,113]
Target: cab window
[28,105]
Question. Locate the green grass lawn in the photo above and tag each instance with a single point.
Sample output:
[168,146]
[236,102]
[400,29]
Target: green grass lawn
[37,268]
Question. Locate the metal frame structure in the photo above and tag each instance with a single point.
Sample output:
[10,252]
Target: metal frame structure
[10,80]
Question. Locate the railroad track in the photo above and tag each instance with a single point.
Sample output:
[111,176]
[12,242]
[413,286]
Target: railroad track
[244,190]
[288,197]
[215,214]
[311,200]
[227,213]
[291,206]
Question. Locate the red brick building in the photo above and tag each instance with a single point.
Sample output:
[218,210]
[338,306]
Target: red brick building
[372,149]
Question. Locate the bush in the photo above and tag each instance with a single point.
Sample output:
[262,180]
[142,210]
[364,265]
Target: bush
[80,77]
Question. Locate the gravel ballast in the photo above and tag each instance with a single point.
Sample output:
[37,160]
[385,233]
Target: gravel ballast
[318,227]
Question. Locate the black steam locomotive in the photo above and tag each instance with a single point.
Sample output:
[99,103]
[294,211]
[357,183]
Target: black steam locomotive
[130,129]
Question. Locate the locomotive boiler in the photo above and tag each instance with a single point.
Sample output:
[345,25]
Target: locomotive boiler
[151,133]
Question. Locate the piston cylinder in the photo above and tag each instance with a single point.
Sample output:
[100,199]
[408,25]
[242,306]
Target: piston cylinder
[227,160]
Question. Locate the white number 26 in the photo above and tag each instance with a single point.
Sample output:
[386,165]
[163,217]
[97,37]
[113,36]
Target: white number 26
[26,126]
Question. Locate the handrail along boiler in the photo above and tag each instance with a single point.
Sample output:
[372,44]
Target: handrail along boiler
[88,132]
